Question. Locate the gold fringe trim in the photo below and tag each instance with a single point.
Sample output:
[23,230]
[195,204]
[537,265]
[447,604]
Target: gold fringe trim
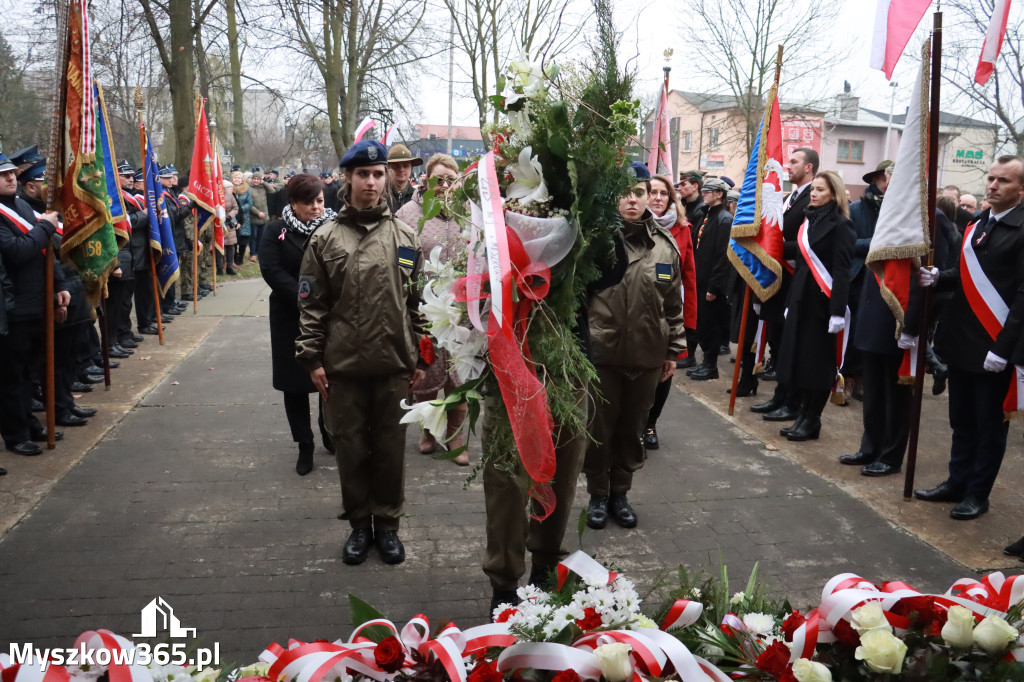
[896,253]
[758,290]
[905,381]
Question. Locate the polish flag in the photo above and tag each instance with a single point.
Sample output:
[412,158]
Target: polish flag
[993,42]
[895,22]
[660,160]
[391,136]
[363,128]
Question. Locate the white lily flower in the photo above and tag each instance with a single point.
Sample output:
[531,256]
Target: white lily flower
[430,414]
[467,356]
[433,265]
[441,313]
[525,74]
[520,122]
[529,180]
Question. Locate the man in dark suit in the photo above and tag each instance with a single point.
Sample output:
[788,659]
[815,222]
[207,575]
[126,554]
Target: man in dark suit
[803,165]
[977,335]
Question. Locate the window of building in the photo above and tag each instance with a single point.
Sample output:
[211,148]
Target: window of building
[688,141]
[713,139]
[851,151]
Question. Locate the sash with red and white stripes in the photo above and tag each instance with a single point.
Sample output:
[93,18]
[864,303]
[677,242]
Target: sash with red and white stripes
[824,280]
[134,201]
[15,217]
[759,345]
[990,309]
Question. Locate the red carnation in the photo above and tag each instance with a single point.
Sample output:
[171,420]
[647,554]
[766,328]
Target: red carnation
[792,623]
[591,619]
[505,615]
[485,671]
[727,630]
[846,634]
[427,350]
[567,676]
[389,655]
[775,659]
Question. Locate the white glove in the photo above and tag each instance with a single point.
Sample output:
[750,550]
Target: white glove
[927,277]
[785,313]
[907,341]
[836,324]
[994,363]
[757,308]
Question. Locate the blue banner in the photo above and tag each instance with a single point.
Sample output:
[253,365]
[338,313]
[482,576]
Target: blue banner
[160,237]
[118,214]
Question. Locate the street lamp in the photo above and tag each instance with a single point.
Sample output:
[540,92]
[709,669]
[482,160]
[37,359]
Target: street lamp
[888,127]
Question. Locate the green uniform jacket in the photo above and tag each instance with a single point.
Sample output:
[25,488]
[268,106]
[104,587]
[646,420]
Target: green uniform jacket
[359,296]
[259,205]
[638,323]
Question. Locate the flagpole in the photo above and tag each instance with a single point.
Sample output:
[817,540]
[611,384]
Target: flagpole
[745,314]
[927,293]
[105,340]
[143,157]
[195,224]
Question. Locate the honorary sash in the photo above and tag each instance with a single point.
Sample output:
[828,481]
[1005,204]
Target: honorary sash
[824,280]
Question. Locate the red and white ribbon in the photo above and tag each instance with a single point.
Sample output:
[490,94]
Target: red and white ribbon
[364,127]
[117,671]
[15,217]
[824,280]
[584,565]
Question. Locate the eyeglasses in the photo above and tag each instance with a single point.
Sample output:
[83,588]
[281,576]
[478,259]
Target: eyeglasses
[443,180]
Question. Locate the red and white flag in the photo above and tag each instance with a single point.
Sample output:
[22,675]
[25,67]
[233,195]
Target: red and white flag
[660,160]
[993,42]
[895,22]
[391,136]
[364,127]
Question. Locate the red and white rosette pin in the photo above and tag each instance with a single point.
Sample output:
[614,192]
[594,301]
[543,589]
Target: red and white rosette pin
[583,565]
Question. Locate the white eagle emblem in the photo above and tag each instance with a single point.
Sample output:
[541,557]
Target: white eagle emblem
[772,204]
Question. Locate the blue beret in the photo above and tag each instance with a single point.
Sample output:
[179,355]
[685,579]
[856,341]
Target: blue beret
[728,181]
[6,165]
[364,153]
[35,172]
[640,171]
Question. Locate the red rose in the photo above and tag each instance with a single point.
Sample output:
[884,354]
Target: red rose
[485,671]
[591,619]
[846,634]
[389,655]
[567,676]
[774,660]
[792,622]
[727,630]
[427,349]
[505,615]
[788,676]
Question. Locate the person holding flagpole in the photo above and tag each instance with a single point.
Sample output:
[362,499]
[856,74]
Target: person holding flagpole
[816,309]
[977,337]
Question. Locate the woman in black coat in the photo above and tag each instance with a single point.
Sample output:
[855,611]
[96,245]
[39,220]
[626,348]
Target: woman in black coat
[813,318]
[280,254]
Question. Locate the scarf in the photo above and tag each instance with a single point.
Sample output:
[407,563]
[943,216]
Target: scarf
[816,214]
[668,220]
[293,224]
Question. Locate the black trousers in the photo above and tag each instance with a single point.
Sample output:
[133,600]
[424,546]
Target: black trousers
[68,342]
[660,397]
[145,303]
[813,402]
[712,326]
[21,351]
[784,394]
[296,409]
[853,363]
[119,308]
[979,430]
[243,242]
[886,409]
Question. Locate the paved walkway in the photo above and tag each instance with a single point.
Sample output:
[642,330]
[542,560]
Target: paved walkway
[192,496]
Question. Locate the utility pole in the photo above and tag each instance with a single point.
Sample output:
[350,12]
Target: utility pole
[451,77]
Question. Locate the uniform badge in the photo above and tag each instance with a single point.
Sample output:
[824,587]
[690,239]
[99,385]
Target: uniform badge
[663,272]
[406,257]
[304,288]
[371,153]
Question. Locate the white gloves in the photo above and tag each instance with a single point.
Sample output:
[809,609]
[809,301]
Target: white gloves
[757,308]
[927,277]
[836,324]
[994,363]
[785,313]
[907,341]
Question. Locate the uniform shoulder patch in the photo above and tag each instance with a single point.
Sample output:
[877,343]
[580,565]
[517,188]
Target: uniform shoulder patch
[406,257]
[305,286]
[663,271]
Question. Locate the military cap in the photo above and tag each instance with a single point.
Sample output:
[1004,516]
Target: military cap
[694,176]
[733,195]
[364,153]
[139,175]
[868,178]
[125,168]
[640,171]
[274,171]
[168,171]
[257,169]
[34,173]
[26,156]
[729,181]
[6,165]
[236,167]
[399,153]
[714,185]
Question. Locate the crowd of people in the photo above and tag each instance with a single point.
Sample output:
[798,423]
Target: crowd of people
[343,256]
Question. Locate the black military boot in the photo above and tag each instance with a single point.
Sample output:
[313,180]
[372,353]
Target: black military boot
[358,546]
[621,510]
[305,463]
[597,511]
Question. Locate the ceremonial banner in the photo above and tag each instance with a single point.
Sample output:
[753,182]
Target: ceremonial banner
[391,136]
[161,239]
[202,184]
[118,212]
[993,42]
[895,22]
[660,160]
[221,216]
[755,247]
[901,234]
[364,127]
[89,245]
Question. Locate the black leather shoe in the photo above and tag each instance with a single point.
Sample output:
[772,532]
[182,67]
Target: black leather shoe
[786,430]
[357,548]
[83,412]
[40,437]
[768,373]
[3,472]
[704,373]
[150,330]
[91,379]
[93,369]
[170,312]
[123,349]
[137,338]
[686,363]
[621,511]
[305,463]
[118,352]
[128,343]
[744,389]
[856,459]
[391,549]
[651,438]
[879,469]
[499,597]
[79,387]
[808,429]
[1016,549]
[597,512]
[765,408]
[939,376]
[180,306]
[37,406]
[971,508]
[781,414]
[943,492]
[28,448]
[70,420]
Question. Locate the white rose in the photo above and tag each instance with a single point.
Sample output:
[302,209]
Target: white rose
[759,623]
[994,634]
[882,651]
[959,628]
[805,670]
[737,598]
[615,663]
[870,617]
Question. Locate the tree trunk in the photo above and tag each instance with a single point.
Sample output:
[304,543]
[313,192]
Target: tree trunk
[237,110]
[181,82]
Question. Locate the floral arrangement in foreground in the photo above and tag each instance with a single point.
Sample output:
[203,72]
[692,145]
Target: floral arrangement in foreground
[591,627]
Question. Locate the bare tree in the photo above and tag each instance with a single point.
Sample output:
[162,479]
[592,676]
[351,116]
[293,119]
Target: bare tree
[490,33]
[738,41]
[24,122]
[1002,99]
